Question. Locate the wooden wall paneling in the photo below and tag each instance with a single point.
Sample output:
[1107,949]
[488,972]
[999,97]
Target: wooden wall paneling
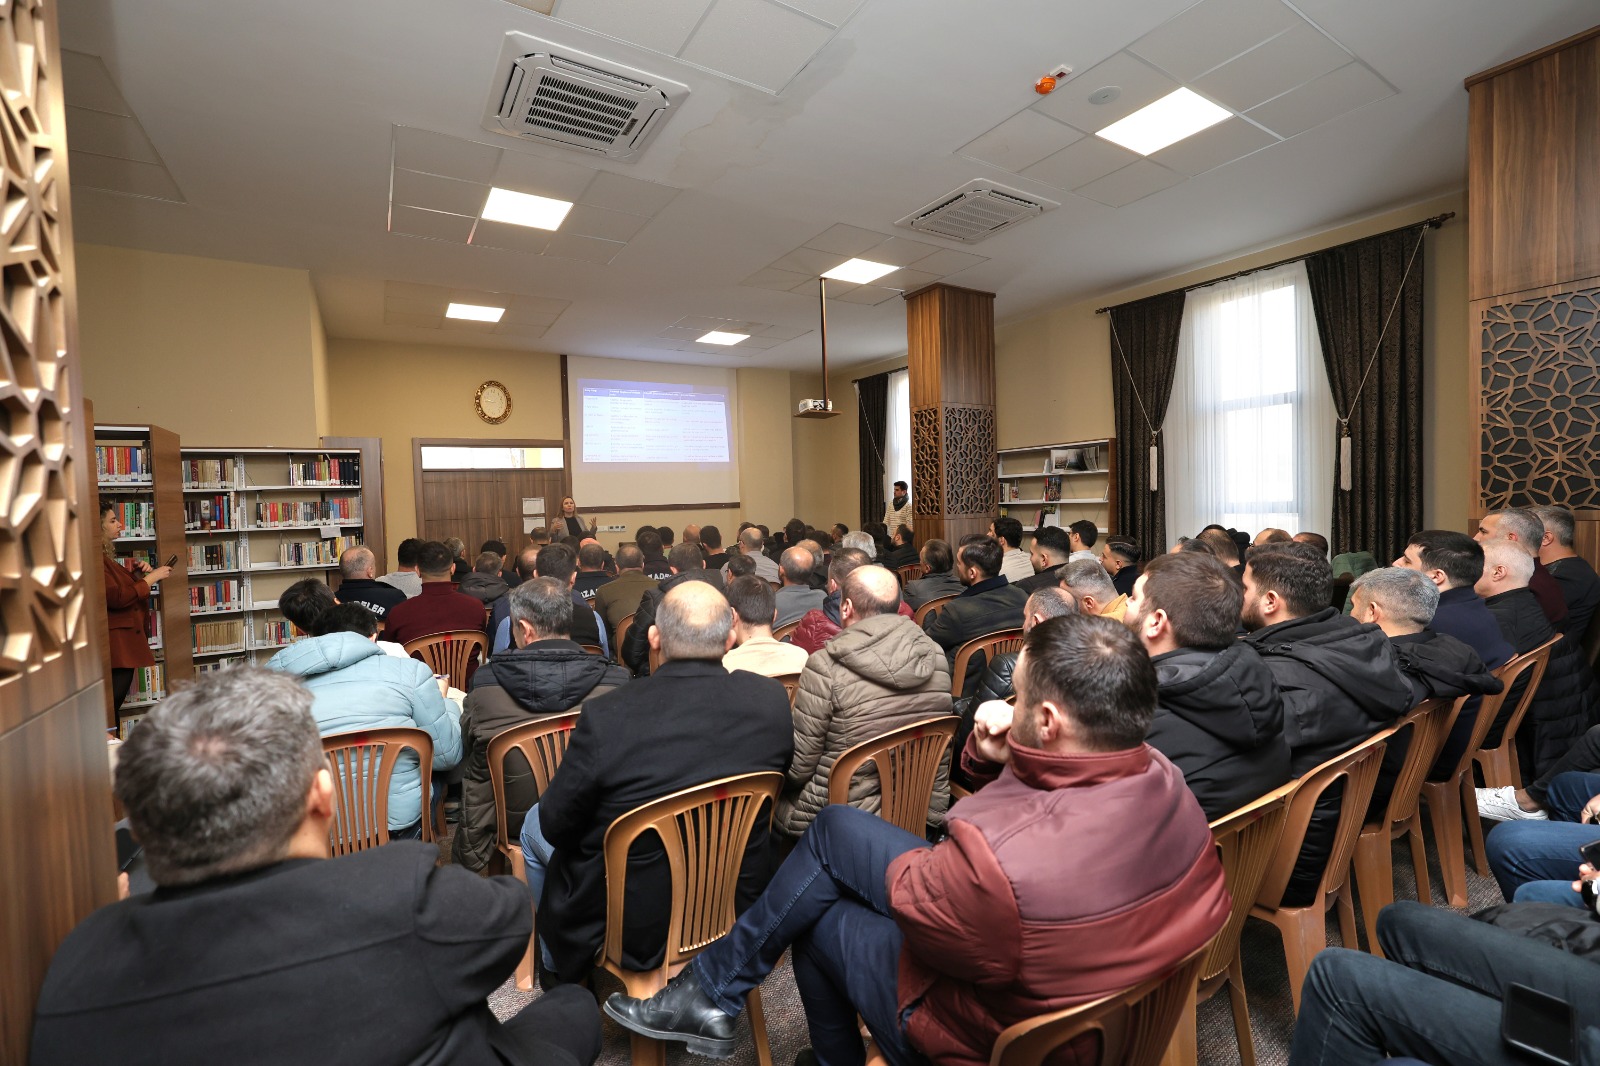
[372,502]
[167,468]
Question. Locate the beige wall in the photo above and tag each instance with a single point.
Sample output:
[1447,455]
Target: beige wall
[319,368]
[218,352]
[827,474]
[1054,370]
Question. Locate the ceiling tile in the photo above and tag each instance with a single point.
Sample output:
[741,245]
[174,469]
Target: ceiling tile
[835,288]
[755,41]
[1211,33]
[588,249]
[1210,148]
[907,280]
[467,326]
[115,135]
[833,12]
[511,238]
[420,321]
[809,261]
[784,333]
[527,331]
[123,175]
[898,251]
[1332,95]
[529,318]
[1290,59]
[406,290]
[662,25]
[946,261]
[872,295]
[1140,84]
[1080,163]
[435,153]
[760,343]
[682,333]
[415,189]
[618,193]
[437,225]
[537,305]
[1130,183]
[1020,141]
[598,222]
[87,83]
[773,278]
[555,178]
[848,241]
[408,306]
[704,323]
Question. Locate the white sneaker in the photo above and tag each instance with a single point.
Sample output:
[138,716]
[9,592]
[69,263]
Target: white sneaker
[1500,805]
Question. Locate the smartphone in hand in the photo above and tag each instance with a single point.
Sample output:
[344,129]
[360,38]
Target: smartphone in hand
[170,563]
[1538,1025]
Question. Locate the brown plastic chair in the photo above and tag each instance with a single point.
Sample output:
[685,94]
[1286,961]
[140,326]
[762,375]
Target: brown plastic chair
[593,649]
[996,643]
[1430,723]
[704,831]
[910,572]
[782,632]
[363,763]
[542,744]
[1246,842]
[622,634]
[1134,1027]
[1304,929]
[791,685]
[931,607]
[908,761]
[451,654]
[1499,764]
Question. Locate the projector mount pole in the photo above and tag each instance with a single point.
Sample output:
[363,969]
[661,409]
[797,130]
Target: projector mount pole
[822,310]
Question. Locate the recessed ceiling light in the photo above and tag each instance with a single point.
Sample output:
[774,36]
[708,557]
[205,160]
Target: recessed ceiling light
[474,312]
[524,209]
[719,337]
[1179,114]
[859,271]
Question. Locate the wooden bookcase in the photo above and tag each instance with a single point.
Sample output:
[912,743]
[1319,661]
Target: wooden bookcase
[1081,475]
[139,467]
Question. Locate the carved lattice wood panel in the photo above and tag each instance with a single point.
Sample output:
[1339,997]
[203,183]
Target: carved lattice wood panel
[1540,382]
[927,480]
[969,460]
[41,564]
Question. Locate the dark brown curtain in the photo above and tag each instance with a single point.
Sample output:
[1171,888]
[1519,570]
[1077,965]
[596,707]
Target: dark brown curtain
[1144,358]
[873,396]
[1354,289]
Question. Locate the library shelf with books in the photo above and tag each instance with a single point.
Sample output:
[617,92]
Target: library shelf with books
[138,468]
[1059,484]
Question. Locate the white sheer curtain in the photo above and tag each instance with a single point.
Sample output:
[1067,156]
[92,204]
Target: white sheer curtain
[897,438]
[1249,433]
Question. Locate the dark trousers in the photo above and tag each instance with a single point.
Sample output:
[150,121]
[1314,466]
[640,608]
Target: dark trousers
[829,900]
[1436,997]
[1582,758]
[121,682]
[560,1028]
[1521,853]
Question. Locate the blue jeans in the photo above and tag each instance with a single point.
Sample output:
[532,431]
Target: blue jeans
[829,899]
[1567,794]
[1520,852]
[1549,892]
[536,852]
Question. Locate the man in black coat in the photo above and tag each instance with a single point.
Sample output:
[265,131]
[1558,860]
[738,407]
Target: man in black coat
[989,603]
[1339,679]
[941,579]
[257,948]
[1579,584]
[1218,717]
[550,560]
[686,564]
[357,585]
[1051,546]
[690,722]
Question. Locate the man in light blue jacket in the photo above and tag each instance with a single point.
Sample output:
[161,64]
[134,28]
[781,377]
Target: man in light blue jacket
[355,686]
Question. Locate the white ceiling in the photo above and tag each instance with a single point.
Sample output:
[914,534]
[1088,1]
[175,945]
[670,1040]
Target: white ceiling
[279,125]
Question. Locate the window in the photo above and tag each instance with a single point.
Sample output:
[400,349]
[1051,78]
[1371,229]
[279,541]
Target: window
[1250,429]
[897,444]
[478,457]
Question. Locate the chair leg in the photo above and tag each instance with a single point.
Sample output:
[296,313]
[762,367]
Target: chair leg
[758,1027]
[647,1052]
[1419,861]
[1444,814]
[527,966]
[1469,810]
[1374,880]
[1184,1050]
[1346,907]
[1241,1012]
[1304,932]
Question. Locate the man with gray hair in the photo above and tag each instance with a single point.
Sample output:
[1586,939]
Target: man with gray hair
[1579,584]
[862,542]
[796,597]
[257,946]
[358,585]
[1093,588]
[689,722]
[750,543]
[1525,529]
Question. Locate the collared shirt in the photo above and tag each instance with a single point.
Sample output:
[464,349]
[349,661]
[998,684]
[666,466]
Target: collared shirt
[764,655]
[1016,565]
[1084,554]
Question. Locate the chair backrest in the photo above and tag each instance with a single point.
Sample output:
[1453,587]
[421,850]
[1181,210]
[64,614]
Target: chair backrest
[791,685]
[1358,768]
[910,572]
[1246,841]
[593,649]
[989,644]
[1134,1027]
[451,654]
[782,632]
[1488,711]
[931,607]
[542,743]
[1536,660]
[622,634]
[703,831]
[907,760]
[363,764]
[1430,723]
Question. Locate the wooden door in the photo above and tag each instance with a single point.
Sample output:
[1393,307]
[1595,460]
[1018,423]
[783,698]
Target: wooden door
[477,505]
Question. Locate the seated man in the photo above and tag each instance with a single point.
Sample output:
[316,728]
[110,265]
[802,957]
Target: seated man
[356,583]
[818,578]
[1035,902]
[754,647]
[879,674]
[1120,556]
[592,574]
[256,947]
[546,673]
[619,597]
[1081,536]
[404,576]
[1579,584]
[1049,554]
[1094,590]
[356,686]
[560,562]
[822,624]
[796,596]
[750,544]
[988,602]
[1218,717]
[711,548]
[940,580]
[439,608]
[903,551]
[655,557]
[1014,562]
[1316,540]
[686,564]
[484,584]
[689,723]
[1520,526]
[1534,860]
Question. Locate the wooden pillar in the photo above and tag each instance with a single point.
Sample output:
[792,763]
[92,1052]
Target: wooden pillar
[950,356]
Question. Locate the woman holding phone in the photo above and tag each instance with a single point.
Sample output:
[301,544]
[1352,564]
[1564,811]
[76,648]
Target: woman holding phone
[127,606]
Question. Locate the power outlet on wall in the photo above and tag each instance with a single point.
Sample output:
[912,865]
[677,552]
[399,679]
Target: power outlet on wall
[613,529]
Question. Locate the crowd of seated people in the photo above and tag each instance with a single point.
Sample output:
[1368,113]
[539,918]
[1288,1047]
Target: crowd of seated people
[1186,685]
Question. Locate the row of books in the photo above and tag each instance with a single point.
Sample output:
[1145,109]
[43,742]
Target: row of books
[326,471]
[125,725]
[215,555]
[222,594]
[219,636]
[113,462]
[149,684]
[344,509]
[308,553]
[152,626]
[208,473]
[211,666]
[272,633]
[138,516]
[209,512]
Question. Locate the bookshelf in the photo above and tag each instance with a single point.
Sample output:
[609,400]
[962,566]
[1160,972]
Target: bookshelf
[1058,484]
[138,468]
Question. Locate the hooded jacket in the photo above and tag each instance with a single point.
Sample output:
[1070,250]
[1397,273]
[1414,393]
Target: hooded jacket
[879,674]
[821,624]
[1438,666]
[355,685]
[485,588]
[635,650]
[1219,718]
[524,685]
[923,589]
[974,614]
[1565,705]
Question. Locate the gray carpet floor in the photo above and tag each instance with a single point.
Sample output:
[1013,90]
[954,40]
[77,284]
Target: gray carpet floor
[1266,985]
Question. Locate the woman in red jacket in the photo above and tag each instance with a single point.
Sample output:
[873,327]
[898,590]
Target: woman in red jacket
[127,606]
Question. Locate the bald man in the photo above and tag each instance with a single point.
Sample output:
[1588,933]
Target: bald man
[638,743]
[358,582]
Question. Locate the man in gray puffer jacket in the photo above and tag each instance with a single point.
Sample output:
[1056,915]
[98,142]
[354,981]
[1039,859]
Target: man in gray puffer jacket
[546,673]
[880,673]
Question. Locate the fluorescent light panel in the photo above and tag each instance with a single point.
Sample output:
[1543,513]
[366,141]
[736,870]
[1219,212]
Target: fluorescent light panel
[1179,114]
[859,271]
[718,337]
[474,312]
[524,209]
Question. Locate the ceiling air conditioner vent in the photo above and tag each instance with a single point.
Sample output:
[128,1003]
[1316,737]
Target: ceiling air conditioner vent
[976,211]
[556,95]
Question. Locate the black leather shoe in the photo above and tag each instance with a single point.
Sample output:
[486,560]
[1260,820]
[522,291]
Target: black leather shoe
[681,1011]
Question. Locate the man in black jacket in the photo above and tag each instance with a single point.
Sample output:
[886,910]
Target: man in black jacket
[256,947]
[685,564]
[940,580]
[989,604]
[1339,679]
[690,722]
[1219,717]
[1579,584]
[904,548]
[357,585]
[1049,554]
[546,674]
